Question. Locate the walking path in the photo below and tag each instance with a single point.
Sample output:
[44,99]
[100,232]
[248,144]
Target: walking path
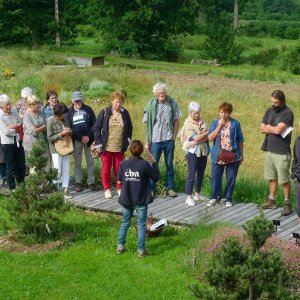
[177,212]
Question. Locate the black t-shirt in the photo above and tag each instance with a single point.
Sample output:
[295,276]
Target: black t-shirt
[275,143]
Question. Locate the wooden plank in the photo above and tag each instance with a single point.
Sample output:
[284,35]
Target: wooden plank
[232,210]
[100,201]
[290,230]
[251,216]
[167,205]
[250,211]
[206,214]
[168,211]
[81,200]
[160,202]
[231,215]
[200,206]
[175,216]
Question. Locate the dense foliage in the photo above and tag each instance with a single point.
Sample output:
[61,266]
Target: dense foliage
[142,28]
[33,21]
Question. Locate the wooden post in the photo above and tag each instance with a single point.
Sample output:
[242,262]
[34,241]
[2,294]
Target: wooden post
[57,36]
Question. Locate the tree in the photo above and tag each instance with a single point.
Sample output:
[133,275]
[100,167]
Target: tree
[33,21]
[237,270]
[236,14]
[142,28]
[220,42]
[38,206]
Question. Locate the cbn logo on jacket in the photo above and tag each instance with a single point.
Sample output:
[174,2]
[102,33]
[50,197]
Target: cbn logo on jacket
[132,175]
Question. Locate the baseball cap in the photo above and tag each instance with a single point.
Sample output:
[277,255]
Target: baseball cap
[76,96]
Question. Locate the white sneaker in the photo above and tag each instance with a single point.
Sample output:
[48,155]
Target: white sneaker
[211,202]
[199,197]
[228,204]
[107,194]
[119,192]
[189,201]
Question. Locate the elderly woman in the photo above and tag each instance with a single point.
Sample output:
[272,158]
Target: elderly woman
[112,132]
[194,135]
[226,133]
[34,124]
[10,124]
[21,106]
[57,128]
[52,100]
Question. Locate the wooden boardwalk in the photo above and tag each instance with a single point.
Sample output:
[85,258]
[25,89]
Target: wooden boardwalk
[177,212]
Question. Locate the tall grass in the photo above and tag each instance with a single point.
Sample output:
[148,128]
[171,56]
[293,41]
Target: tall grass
[250,99]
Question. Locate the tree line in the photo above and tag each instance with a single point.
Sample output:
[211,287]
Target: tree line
[139,28]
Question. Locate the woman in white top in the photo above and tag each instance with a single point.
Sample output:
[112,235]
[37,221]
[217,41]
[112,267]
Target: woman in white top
[10,124]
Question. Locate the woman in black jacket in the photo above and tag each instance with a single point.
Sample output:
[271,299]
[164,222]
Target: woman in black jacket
[112,132]
[135,174]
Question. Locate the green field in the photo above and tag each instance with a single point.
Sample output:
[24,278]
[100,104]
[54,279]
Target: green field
[89,267]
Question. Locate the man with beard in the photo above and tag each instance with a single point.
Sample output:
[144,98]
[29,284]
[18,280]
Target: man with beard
[277,126]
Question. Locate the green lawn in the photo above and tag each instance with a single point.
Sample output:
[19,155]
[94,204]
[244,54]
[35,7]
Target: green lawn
[89,268]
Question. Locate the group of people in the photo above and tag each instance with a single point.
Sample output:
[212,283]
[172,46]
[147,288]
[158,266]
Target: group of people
[111,133]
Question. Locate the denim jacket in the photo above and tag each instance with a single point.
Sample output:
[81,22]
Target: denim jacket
[236,137]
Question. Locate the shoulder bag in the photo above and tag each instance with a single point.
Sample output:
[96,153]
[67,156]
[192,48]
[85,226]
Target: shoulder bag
[64,146]
[225,156]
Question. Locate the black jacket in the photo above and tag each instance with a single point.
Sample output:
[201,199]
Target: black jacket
[83,129]
[101,128]
[135,175]
[296,160]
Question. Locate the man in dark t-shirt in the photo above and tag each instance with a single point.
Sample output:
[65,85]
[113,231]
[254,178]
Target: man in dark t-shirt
[277,125]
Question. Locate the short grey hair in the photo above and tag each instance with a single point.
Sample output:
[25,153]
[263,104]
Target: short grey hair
[26,91]
[194,106]
[160,86]
[4,99]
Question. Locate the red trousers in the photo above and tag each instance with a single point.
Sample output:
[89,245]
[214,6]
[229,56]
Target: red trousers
[110,159]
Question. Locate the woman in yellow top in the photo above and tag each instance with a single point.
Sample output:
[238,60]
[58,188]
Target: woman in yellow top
[113,132]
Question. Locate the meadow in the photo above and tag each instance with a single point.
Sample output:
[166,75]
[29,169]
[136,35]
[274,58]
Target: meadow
[247,87]
[86,266]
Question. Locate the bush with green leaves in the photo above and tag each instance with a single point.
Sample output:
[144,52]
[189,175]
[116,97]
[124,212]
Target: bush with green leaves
[38,206]
[241,271]
[220,43]
[289,60]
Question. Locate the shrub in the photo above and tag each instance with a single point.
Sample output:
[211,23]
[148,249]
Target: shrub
[238,267]
[265,57]
[38,206]
[289,60]
[86,30]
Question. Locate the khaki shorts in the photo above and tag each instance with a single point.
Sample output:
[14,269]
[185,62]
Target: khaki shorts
[277,166]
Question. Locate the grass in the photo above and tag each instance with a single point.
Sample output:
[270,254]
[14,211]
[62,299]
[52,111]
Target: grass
[89,268]
[207,85]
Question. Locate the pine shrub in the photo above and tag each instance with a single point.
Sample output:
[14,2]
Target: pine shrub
[38,206]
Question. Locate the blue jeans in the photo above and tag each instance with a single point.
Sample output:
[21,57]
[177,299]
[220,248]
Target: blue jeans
[196,167]
[141,211]
[216,179]
[168,148]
